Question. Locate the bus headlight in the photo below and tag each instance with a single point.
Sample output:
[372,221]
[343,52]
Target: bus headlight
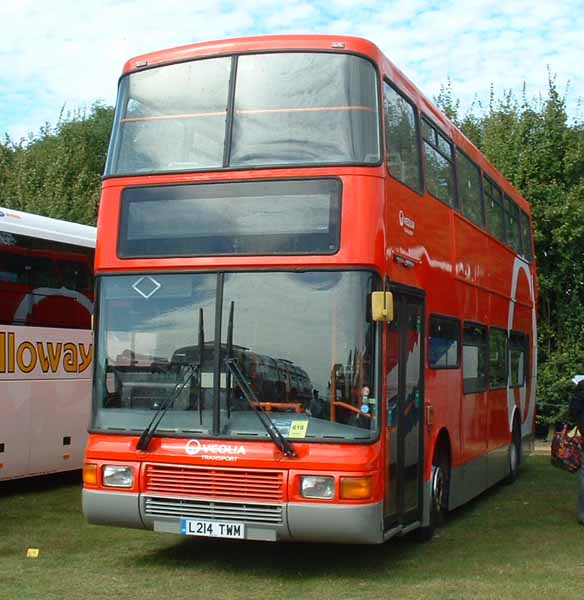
[312,486]
[117,476]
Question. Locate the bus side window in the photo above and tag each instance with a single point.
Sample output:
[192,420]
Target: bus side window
[439,156]
[494,210]
[518,358]
[526,236]
[401,138]
[474,358]
[512,224]
[497,358]
[443,342]
[469,181]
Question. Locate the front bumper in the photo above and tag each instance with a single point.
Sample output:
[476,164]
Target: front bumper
[294,521]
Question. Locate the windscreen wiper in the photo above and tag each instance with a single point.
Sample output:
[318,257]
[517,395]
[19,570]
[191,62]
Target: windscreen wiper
[283,444]
[163,408]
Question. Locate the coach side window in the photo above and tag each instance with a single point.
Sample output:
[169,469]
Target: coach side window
[439,156]
[443,342]
[469,180]
[497,358]
[474,358]
[518,358]
[75,276]
[494,210]
[401,135]
[43,273]
[13,268]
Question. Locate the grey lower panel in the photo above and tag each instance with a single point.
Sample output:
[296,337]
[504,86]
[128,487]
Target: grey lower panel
[112,508]
[498,465]
[475,476]
[302,522]
[307,522]
[353,524]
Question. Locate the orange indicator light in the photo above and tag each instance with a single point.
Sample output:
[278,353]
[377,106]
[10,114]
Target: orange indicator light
[89,474]
[356,488]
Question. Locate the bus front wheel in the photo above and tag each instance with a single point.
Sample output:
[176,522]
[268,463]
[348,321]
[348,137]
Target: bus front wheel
[440,484]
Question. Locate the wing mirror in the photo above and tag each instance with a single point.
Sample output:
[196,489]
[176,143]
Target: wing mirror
[382,306]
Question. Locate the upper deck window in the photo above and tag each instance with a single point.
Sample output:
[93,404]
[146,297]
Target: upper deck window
[494,209]
[290,108]
[512,224]
[439,164]
[526,235]
[401,133]
[469,180]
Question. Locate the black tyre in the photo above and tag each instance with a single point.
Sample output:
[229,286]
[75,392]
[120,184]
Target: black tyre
[440,486]
[514,454]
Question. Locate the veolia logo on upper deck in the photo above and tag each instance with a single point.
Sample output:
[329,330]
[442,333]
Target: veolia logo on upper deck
[194,447]
[408,224]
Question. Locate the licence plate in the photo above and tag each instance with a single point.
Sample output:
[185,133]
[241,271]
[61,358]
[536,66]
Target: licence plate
[212,529]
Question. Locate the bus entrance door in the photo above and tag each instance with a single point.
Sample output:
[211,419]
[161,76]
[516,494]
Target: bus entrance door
[404,372]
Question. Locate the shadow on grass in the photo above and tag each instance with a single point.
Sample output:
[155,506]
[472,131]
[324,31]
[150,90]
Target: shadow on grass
[285,561]
[39,484]
[288,560]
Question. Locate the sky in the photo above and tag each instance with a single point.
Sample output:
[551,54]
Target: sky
[64,55]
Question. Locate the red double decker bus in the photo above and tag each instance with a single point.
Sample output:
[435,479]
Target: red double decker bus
[315,313]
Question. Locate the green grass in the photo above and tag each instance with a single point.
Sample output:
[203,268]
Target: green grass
[519,541]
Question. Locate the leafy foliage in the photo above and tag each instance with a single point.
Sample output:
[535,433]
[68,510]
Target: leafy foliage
[57,172]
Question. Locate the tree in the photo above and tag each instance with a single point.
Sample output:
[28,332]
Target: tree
[57,173]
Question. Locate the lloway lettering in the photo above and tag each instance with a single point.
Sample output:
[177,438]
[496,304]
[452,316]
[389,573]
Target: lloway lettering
[49,357]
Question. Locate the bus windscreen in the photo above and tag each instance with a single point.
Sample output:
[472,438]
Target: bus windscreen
[292,108]
[301,340]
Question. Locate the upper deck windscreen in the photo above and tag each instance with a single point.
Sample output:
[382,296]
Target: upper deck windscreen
[288,108]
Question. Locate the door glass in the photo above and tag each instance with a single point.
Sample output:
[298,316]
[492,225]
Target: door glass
[392,369]
[412,406]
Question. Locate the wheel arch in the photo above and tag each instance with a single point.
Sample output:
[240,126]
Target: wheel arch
[441,441]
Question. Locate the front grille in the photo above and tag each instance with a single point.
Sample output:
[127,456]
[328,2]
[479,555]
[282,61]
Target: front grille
[210,482]
[224,511]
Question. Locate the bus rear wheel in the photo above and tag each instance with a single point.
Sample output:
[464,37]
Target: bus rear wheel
[514,454]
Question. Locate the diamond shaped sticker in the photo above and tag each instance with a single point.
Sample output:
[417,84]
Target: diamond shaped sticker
[146,286]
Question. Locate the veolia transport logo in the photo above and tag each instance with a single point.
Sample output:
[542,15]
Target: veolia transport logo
[224,452]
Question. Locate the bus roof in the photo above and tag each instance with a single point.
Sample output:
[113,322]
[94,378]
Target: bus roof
[259,43]
[327,43]
[35,226]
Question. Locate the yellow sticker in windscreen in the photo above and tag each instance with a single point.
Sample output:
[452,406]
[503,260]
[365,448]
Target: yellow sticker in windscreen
[298,429]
